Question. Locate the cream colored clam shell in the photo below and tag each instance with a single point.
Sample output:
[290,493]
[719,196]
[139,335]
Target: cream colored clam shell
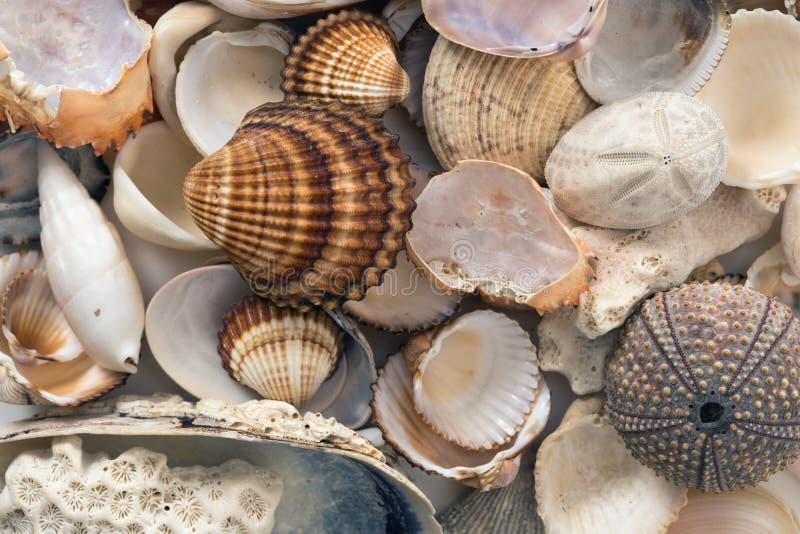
[790,229]
[278,9]
[587,481]
[148,184]
[772,275]
[757,99]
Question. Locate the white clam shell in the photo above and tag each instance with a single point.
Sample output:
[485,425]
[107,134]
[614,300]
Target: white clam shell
[225,75]
[757,99]
[89,272]
[181,326]
[772,275]
[278,9]
[148,184]
[790,229]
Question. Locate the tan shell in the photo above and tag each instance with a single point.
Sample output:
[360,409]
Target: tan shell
[350,56]
[309,200]
[283,354]
[512,111]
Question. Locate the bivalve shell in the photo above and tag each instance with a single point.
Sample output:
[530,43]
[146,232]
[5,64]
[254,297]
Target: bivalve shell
[278,9]
[309,200]
[350,56]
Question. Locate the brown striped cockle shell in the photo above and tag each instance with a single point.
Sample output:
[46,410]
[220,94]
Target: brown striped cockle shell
[283,354]
[309,200]
[350,56]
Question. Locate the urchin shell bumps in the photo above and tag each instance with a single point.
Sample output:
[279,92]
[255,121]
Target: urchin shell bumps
[704,386]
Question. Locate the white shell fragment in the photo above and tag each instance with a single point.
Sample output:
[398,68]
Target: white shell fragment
[405,301]
[638,162]
[772,275]
[587,481]
[278,9]
[757,99]
[89,272]
[475,379]
[66,488]
[790,229]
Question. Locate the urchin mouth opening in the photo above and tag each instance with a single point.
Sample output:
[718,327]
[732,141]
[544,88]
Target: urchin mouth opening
[712,413]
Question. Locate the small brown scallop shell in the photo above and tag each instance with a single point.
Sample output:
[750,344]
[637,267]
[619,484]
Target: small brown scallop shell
[350,56]
[309,200]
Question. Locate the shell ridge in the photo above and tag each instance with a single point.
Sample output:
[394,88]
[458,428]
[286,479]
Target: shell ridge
[736,388]
[648,327]
[673,335]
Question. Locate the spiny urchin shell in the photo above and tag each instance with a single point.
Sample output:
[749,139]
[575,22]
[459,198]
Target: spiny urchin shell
[704,386]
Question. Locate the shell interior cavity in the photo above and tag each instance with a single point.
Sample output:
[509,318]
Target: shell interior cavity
[762,118]
[475,379]
[565,29]
[248,63]
[415,51]
[655,45]
[350,56]
[487,227]
[638,162]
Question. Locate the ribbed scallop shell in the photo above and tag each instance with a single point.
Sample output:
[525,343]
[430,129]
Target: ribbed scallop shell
[33,323]
[512,111]
[350,56]
[283,354]
[309,200]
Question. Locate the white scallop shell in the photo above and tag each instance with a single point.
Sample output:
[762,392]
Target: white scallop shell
[638,162]
[89,272]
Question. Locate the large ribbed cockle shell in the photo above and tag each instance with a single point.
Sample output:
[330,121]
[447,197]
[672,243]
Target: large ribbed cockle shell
[309,200]
[350,56]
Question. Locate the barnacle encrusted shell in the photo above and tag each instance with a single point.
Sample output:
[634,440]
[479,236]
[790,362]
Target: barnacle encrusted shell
[638,162]
[703,386]
[67,487]
[469,220]
[309,200]
[350,56]
[282,353]
[586,481]
[76,72]
[511,111]
[277,9]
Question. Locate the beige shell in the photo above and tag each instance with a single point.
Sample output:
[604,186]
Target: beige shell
[283,354]
[512,111]
[790,229]
[772,275]
[350,56]
[587,481]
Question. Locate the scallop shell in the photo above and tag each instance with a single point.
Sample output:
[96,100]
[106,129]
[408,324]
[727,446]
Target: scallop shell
[405,301]
[464,119]
[586,481]
[350,56]
[283,354]
[278,9]
[466,224]
[94,90]
[639,162]
[328,201]
[561,30]
[757,100]
[408,434]
[655,46]
[33,324]
[475,379]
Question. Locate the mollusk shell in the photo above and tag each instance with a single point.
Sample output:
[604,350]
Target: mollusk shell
[511,111]
[283,354]
[415,51]
[790,229]
[350,56]
[277,9]
[638,162]
[771,275]
[309,200]
[401,15]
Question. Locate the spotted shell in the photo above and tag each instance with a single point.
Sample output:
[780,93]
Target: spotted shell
[309,200]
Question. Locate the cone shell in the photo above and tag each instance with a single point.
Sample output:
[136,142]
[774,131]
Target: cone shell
[283,354]
[350,56]
[33,323]
[512,111]
[309,200]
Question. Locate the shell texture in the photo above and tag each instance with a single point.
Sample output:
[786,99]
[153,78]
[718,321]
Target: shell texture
[639,162]
[761,118]
[309,200]
[401,15]
[718,396]
[89,272]
[415,51]
[69,79]
[541,100]
[771,275]
[655,45]
[67,489]
[559,30]
[283,354]
[19,207]
[475,379]
[278,9]
[469,219]
[350,56]
[790,229]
